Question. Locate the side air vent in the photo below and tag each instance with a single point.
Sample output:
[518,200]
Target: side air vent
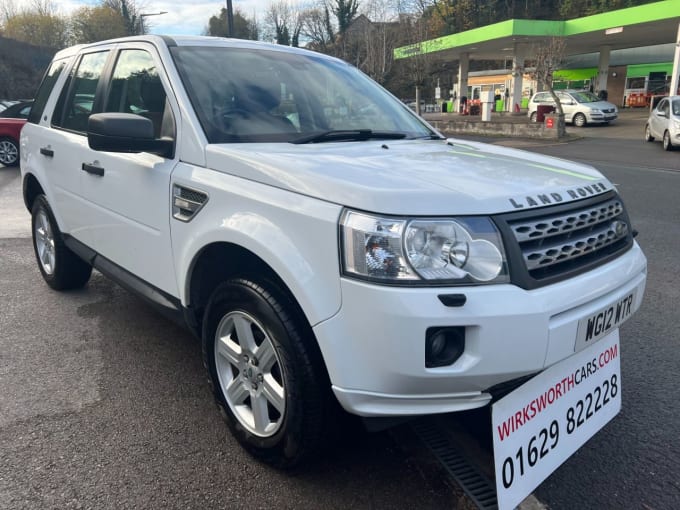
[186,202]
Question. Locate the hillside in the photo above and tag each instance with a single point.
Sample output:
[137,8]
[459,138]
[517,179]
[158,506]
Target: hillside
[21,68]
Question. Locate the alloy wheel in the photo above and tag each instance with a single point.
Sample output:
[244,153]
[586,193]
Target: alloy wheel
[44,242]
[8,153]
[249,372]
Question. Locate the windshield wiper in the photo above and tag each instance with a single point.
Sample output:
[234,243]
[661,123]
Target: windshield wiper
[352,135]
[430,137]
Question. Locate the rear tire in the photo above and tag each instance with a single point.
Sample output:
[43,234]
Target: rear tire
[667,144]
[648,134]
[580,120]
[532,118]
[271,388]
[9,152]
[60,267]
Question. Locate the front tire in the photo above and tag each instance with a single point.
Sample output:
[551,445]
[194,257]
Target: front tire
[60,267]
[667,144]
[579,120]
[265,378]
[9,152]
[648,134]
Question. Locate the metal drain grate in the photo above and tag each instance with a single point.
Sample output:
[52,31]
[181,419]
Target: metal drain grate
[476,485]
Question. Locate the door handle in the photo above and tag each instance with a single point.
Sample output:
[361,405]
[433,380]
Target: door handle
[93,169]
[46,151]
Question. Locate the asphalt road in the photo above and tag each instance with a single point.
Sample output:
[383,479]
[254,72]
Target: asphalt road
[634,462]
[103,403]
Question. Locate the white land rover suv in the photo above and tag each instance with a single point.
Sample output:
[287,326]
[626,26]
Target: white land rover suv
[326,243]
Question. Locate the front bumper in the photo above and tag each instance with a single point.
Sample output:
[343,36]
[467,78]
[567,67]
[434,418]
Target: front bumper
[595,118]
[374,347]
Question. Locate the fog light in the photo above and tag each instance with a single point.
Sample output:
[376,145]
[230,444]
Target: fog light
[443,346]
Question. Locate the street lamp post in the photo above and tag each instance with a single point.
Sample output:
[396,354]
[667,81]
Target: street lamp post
[230,19]
[144,15]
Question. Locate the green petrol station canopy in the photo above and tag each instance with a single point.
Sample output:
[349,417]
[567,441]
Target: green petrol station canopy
[644,25]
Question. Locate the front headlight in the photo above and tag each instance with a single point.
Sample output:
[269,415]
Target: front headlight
[453,251]
[596,111]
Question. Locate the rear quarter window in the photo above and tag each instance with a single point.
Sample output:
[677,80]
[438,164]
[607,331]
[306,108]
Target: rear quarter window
[45,89]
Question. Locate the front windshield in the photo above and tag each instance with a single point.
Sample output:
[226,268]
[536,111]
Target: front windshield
[262,95]
[585,97]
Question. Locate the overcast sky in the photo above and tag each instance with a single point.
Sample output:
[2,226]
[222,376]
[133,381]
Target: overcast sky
[183,16]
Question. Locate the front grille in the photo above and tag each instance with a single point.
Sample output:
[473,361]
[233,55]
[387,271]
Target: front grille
[553,243]
[610,110]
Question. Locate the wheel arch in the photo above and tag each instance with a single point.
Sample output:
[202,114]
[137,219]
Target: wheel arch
[666,140]
[31,189]
[220,261]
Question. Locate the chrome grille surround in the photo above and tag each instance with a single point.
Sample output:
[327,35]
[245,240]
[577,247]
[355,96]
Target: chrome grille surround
[552,243]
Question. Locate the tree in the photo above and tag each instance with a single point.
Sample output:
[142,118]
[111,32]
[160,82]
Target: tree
[345,11]
[283,23]
[49,30]
[316,26]
[91,24]
[370,40]
[244,27]
[548,58]
[417,66]
[130,13]
[8,10]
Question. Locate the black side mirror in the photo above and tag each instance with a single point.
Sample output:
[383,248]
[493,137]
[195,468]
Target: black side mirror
[125,132]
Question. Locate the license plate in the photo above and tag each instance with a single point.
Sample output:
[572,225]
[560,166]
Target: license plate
[606,319]
[543,422]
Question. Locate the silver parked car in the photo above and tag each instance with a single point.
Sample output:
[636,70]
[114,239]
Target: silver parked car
[580,107]
[664,123]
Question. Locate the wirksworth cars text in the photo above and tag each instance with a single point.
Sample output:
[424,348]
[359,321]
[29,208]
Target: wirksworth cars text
[558,390]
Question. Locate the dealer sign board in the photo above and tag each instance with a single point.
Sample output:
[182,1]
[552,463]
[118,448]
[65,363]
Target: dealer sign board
[544,421]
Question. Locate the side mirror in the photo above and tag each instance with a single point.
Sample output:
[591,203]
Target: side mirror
[661,114]
[125,132]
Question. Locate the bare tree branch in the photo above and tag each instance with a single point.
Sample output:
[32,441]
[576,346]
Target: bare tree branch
[548,58]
